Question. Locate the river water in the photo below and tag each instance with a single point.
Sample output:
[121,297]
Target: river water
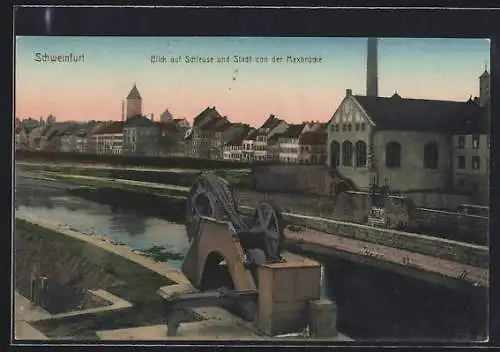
[372,304]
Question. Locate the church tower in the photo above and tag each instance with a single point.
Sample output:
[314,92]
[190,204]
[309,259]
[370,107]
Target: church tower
[134,103]
[484,87]
[372,68]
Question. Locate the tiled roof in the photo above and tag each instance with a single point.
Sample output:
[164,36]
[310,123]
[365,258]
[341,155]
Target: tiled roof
[138,121]
[313,138]
[396,113]
[271,122]
[208,111]
[115,127]
[241,137]
[134,93]
[223,126]
[293,131]
[214,124]
[251,135]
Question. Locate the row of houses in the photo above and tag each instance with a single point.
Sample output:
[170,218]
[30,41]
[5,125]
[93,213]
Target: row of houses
[138,135]
[214,137]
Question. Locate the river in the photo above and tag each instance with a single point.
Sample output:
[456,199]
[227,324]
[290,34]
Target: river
[372,304]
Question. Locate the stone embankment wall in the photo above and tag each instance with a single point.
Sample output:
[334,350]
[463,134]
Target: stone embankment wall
[69,275]
[166,162]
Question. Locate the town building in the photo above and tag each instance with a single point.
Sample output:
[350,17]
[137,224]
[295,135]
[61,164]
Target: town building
[233,150]
[224,133]
[182,123]
[140,136]
[108,138]
[412,145]
[52,135]
[171,139]
[312,146]
[270,127]
[471,150]
[21,138]
[84,137]
[247,153]
[197,138]
[68,139]
[288,142]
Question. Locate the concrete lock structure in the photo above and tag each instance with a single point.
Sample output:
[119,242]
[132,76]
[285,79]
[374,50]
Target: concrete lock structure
[235,262]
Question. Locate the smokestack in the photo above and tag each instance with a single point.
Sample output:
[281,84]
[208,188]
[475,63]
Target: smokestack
[152,117]
[372,68]
[123,110]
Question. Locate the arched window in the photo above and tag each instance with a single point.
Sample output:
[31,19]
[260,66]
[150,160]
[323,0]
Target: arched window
[393,155]
[347,153]
[360,154]
[335,154]
[431,155]
[313,159]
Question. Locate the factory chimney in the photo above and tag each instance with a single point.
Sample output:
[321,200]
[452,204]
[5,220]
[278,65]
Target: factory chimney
[123,110]
[372,68]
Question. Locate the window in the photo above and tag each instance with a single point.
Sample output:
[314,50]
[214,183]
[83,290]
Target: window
[347,153]
[431,155]
[475,163]
[335,153]
[332,128]
[461,142]
[475,142]
[360,154]
[337,127]
[344,127]
[461,162]
[393,155]
[363,126]
[357,127]
[349,127]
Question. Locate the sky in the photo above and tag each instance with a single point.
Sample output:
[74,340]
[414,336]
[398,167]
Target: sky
[93,89]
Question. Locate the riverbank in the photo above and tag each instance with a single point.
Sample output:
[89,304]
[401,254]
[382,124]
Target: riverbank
[206,323]
[348,206]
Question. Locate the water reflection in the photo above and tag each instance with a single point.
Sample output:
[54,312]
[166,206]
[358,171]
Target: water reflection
[50,200]
[124,223]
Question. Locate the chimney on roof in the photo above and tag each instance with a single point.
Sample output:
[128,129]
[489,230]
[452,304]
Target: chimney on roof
[348,92]
[372,68]
[123,110]
[152,117]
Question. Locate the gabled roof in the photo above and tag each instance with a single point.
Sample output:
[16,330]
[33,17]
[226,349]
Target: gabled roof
[71,130]
[208,111]
[252,134]
[213,124]
[293,131]
[238,140]
[318,137]
[134,93]
[138,121]
[271,122]
[115,127]
[396,113]
[168,127]
[223,126]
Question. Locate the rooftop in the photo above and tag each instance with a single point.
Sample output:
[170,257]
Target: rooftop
[114,127]
[134,93]
[397,113]
[318,137]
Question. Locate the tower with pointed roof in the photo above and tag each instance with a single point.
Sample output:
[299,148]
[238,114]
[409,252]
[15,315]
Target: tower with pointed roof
[134,103]
[484,87]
